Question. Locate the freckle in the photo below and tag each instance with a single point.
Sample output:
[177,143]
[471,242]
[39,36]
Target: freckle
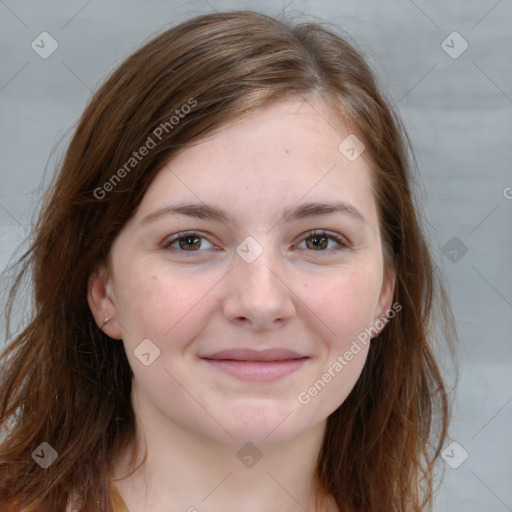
[286,150]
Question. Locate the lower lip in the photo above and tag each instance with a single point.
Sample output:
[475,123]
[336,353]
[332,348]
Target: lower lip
[258,371]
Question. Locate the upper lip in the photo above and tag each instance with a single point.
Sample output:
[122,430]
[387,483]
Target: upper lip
[247,354]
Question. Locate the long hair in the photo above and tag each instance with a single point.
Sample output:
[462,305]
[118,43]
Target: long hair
[65,383]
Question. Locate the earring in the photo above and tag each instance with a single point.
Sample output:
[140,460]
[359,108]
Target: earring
[106,321]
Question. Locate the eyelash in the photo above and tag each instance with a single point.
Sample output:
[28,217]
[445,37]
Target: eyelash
[343,244]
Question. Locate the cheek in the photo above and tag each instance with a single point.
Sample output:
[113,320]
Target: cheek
[160,305]
[346,307]
[346,302]
[168,309]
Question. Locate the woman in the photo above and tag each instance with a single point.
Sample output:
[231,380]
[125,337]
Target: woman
[234,300]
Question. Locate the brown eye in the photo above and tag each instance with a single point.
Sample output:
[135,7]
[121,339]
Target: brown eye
[189,242]
[319,241]
[186,242]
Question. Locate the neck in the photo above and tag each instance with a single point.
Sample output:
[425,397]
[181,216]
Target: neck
[184,471]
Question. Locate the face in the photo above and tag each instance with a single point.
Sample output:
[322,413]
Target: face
[233,307]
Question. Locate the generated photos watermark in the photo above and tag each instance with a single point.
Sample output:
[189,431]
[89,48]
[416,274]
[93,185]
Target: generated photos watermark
[363,338]
[151,142]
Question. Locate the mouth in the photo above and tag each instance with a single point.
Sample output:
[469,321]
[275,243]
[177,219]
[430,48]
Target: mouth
[257,366]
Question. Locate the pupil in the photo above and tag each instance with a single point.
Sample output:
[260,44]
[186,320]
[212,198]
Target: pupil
[189,241]
[317,241]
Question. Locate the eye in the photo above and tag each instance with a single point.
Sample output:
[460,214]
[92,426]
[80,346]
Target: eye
[192,241]
[189,241]
[318,241]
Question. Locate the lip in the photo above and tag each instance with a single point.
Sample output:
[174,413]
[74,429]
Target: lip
[256,365]
[248,354]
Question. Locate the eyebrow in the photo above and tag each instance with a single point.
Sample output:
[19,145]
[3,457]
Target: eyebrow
[209,212]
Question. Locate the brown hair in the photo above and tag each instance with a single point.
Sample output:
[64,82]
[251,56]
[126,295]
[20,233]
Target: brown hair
[65,383]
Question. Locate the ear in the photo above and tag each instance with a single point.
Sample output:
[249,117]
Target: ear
[386,298]
[102,301]
[388,289]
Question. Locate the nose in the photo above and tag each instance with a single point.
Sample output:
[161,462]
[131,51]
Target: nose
[258,294]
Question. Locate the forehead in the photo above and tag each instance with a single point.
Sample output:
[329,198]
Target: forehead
[279,155]
[298,127]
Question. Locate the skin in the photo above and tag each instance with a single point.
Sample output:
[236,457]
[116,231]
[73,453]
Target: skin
[300,293]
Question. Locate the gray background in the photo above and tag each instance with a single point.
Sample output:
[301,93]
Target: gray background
[458,114]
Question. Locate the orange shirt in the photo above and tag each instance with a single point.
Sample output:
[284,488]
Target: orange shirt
[118,503]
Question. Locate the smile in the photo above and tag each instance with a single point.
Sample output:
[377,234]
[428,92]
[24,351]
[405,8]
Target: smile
[256,366]
[263,371]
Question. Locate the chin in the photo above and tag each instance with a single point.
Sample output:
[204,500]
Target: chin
[265,425]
